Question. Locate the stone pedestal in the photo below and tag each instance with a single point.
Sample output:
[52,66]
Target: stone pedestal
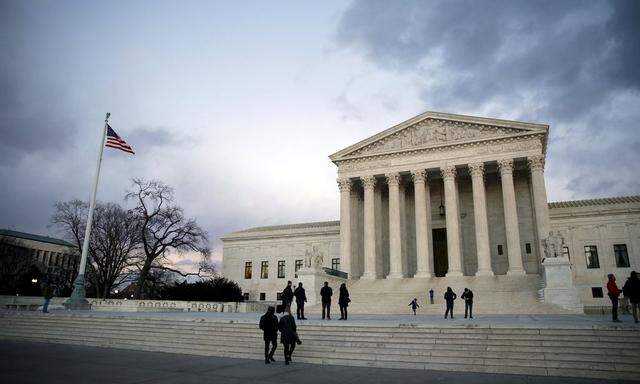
[313,280]
[558,284]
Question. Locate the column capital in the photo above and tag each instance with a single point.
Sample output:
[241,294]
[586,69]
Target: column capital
[419,176]
[448,172]
[393,178]
[476,169]
[505,166]
[369,181]
[536,163]
[344,185]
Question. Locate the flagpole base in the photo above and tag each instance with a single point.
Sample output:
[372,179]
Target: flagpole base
[78,299]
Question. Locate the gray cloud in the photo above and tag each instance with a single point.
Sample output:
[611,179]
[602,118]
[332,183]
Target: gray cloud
[566,63]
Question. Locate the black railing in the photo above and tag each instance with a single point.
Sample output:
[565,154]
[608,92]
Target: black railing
[336,273]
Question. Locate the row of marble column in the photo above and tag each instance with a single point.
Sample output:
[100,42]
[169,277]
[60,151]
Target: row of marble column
[423,220]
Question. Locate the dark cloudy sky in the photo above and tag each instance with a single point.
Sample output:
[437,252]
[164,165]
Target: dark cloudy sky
[238,105]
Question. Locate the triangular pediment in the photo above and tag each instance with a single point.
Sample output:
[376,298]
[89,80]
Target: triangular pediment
[434,129]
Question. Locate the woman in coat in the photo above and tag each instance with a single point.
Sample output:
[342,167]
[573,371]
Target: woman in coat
[288,334]
[343,301]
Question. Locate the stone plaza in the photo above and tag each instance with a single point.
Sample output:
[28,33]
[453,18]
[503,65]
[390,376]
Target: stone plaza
[447,200]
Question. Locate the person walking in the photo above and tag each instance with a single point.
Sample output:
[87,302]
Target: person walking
[343,301]
[326,292]
[288,334]
[269,326]
[449,297]
[467,296]
[301,298]
[47,293]
[431,295]
[414,304]
[631,290]
[614,293]
[287,295]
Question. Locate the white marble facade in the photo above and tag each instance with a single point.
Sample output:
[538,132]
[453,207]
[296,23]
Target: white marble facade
[487,178]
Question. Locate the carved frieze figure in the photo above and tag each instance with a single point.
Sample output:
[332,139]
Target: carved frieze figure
[553,245]
[313,259]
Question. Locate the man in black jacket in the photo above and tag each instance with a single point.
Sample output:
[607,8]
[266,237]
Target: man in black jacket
[467,296]
[287,295]
[326,292]
[301,298]
[269,326]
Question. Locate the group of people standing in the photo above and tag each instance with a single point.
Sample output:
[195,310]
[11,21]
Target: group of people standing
[630,290]
[326,293]
[449,298]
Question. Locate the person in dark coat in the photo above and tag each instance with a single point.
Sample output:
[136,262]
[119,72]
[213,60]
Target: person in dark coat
[414,304]
[326,292]
[301,298]
[613,292]
[269,326]
[431,295]
[288,334]
[449,297]
[631,290]
[467,296]
[287,295]
[343,301]
[48,292]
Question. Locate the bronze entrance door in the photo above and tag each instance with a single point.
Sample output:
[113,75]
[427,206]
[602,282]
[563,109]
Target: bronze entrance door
[440,260]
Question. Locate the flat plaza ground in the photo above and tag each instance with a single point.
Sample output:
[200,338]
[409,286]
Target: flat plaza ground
[29,362]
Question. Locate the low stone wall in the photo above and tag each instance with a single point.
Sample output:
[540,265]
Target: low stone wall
[122,305]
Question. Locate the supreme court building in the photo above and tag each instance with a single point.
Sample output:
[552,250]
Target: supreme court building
[447,200]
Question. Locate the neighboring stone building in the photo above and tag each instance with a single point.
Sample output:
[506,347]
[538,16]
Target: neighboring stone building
[441,198]
[52,255]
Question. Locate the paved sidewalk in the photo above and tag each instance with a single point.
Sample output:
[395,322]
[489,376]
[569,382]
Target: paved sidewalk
[28,362]
[492,321]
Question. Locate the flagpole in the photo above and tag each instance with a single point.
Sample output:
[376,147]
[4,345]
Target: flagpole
[78,299]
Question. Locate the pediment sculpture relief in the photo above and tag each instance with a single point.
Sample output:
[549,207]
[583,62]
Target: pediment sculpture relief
[433,132]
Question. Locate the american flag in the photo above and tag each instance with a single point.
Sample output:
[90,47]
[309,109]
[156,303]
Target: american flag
[114,141]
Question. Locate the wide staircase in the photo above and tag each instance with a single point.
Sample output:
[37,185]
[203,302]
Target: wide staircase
[595,352]
[492,295]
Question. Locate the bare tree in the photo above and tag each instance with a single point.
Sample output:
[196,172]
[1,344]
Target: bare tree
[164,229]
[113,244]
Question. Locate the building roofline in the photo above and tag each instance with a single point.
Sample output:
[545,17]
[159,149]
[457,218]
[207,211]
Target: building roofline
[35,237]
[596,201]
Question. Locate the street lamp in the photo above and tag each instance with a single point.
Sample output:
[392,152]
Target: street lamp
[34,280]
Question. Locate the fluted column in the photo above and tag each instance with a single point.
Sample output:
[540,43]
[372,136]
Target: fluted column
[370,266]
[481,221]
[452,220]
[345,226]
[423,223]
[511,218]
[395,235]
[540,205]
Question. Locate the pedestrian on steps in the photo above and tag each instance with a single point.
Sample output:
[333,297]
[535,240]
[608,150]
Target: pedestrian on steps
[48,292]
[467,296]
[326,292]
[287,295]
[631,290]
[301,298]
[269,326]
[614,293]
[414,304]
[343,301]
[288,334]
[449,297]
[431,295]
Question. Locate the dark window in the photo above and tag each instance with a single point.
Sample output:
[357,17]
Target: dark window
[622,257]
[263,296]
[298,265]
[499,249]
[279,296]
[591,254]
[280,269]
[247,270]
[596,292]
[264,270]
[246,296]
[565,252]
[527,247]
[335,264]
